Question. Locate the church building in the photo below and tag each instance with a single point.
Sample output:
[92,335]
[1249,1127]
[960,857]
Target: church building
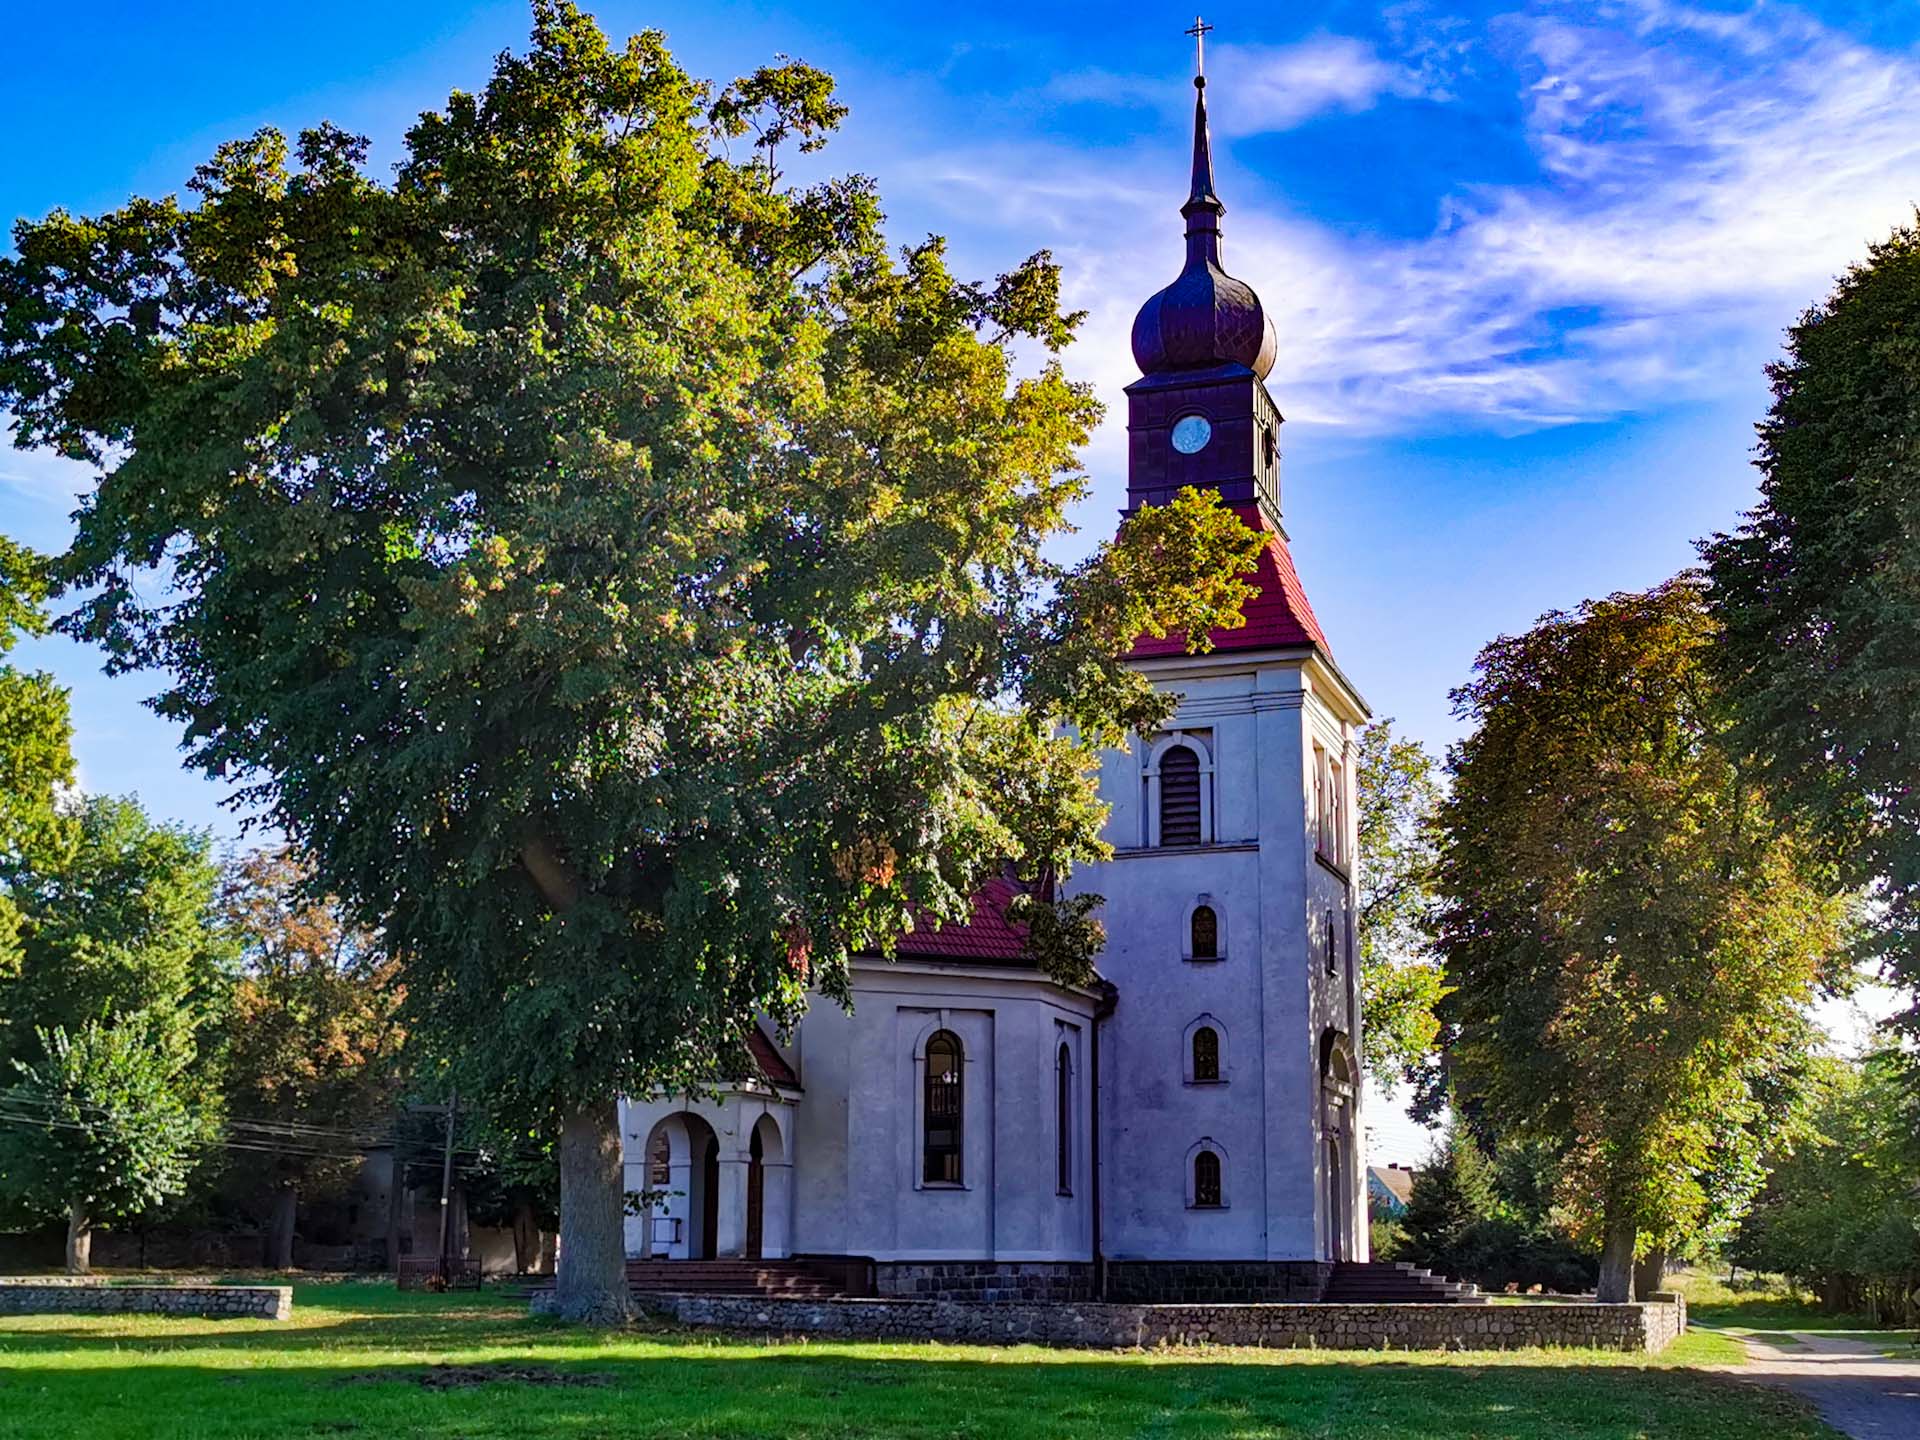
[1189,1129]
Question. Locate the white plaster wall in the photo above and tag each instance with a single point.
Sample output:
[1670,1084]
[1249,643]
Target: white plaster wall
[1269,990]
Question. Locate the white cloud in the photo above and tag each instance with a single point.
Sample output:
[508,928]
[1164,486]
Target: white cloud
[1703,176]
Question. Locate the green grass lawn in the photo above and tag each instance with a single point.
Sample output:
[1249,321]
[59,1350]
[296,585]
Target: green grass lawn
[359,1359]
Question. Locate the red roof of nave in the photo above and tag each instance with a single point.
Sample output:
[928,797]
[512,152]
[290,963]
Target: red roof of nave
[1278,617]
[986,935]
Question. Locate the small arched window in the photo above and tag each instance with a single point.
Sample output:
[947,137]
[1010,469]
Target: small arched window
[1206,1181]
[1206,1056]
[945,1105]
[1180,796]
[1063,1121]
[1333,953]
[1205,936]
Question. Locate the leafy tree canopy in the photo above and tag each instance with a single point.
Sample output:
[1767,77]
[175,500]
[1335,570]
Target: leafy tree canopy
[36,758]
[105,1123]
[1400,977]
[1818,593]
[120,921]
[1630,934]
[625,578]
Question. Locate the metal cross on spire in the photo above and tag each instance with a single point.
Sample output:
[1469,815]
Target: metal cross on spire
[1199,31]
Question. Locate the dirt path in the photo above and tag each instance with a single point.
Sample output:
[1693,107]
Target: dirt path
[1858,1390]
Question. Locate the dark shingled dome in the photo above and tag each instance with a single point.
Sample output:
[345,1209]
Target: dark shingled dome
[1205,318]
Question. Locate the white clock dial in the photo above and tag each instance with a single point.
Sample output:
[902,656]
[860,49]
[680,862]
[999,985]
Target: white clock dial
[1190,434]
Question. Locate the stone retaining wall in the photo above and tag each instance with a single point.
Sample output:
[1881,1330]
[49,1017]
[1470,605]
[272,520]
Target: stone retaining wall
[1646,1328]
[1217,1282]
[78,1295]
[992,1281]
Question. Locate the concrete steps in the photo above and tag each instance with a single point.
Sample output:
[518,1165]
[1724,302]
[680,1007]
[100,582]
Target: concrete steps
[1395,1283]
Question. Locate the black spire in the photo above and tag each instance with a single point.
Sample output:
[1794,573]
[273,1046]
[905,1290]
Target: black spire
[1205,317]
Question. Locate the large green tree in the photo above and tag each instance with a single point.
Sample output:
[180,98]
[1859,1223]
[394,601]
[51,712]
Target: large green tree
[105,1123]
[626,579]
[1400,978]
[35,737]
[1818,592]
[314,1037]
[1630,934]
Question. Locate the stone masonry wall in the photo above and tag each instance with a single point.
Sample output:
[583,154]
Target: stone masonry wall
[1217,1282]
[67,1295]
[994,1282]
[1644,1328]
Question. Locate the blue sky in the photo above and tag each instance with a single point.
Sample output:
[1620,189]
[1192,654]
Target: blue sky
[1526,260]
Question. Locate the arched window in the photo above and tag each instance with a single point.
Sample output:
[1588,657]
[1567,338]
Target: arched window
[1180,796]
[1063,1121]
[945,1104]
[1205,934]
[1206,1180]
[1206,1056]
[1333,954]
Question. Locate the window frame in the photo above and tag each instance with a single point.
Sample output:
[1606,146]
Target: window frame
[944,1099]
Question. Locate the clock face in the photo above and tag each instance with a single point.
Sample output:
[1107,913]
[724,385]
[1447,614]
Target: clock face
[1190,434]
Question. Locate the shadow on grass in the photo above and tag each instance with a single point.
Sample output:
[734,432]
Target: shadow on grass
[699,1385]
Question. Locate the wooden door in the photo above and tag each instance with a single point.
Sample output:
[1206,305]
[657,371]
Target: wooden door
[756,1199]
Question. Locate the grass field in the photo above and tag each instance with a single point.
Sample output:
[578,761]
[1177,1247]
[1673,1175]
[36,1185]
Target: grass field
[359,1359]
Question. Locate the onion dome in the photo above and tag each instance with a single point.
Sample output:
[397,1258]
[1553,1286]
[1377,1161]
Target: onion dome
[1205,319]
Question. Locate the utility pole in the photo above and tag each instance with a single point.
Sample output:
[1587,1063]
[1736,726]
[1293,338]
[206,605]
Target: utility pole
[446,1182]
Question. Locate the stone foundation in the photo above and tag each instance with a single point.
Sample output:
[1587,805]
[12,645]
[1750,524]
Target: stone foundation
[82,1295]
[989,1281]
[1217,1282]
[1642,1328]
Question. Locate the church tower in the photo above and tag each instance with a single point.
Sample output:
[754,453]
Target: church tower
[1230,1156]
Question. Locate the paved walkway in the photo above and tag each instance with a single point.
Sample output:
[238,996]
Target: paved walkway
[1857,1389]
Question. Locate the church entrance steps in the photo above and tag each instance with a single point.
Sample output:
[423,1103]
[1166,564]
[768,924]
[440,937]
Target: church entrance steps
[791,1279]
[1381,1282]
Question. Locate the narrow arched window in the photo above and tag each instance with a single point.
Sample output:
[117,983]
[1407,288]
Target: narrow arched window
[1063,1121]
[1206,1180]
[1205,935]
[1333,952]
[1180,797]
[1206,1055]
[945,1104]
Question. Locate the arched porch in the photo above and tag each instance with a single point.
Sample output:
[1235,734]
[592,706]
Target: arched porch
[713,1178]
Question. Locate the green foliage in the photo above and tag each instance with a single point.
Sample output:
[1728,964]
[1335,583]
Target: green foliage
[1452,1193]
[1631,935]
[121,921]
[1841,1207]
[109,1119]
[623,577]
[1400,979]
[36,758]
[1818,592]
[313,1036]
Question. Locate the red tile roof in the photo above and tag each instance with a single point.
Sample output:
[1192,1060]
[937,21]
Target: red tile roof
[1278,617]
[987,935]
[768,1060]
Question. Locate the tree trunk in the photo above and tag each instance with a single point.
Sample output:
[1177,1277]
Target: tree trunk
[1650,1273]
[526,1240]
[1616,1263]
[286,1202]
[79,1239]
[590,1282]
[396,1207]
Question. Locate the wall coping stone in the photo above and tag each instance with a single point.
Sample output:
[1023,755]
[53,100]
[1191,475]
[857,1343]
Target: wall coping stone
[1645,1327]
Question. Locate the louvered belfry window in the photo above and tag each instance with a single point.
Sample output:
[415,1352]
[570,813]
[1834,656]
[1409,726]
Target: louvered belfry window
[1180,797]
[945,1104]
